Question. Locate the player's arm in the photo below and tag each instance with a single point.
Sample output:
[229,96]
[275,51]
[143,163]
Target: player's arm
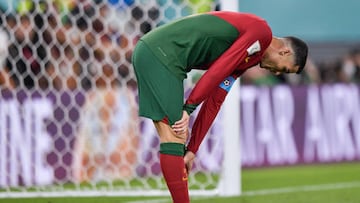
[219,70]
[208,113]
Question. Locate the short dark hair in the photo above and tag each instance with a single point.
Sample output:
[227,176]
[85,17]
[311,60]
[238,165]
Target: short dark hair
[300,49]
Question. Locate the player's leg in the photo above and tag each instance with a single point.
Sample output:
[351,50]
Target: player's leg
[161,94]
[172,149]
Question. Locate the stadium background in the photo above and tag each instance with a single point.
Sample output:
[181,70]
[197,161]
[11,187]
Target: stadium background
[68,93]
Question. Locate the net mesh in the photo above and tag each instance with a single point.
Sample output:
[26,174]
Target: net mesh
[68,109]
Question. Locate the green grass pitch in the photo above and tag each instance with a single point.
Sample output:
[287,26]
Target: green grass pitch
[325,183]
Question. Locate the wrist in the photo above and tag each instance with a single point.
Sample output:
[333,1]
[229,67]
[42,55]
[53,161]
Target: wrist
[189,108]
[191,150]
[189,155]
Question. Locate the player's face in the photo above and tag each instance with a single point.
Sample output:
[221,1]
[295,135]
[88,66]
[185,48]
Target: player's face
[279,63]
[279,68]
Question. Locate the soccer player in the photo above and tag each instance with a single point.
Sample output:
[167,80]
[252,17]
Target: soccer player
[223,43]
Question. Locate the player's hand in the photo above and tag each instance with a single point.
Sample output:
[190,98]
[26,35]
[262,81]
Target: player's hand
[181,126]
[189,160]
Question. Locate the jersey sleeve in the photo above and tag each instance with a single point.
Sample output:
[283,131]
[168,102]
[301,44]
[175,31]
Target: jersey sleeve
[208,113]
[227,63]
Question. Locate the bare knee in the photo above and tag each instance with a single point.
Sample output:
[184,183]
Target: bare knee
[167,134]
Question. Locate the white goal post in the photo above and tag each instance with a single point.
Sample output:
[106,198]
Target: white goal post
[68,103]
[230,183]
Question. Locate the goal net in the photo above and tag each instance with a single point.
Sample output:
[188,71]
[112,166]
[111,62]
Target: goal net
[68,102]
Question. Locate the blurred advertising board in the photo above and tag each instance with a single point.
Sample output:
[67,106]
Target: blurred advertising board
[84,136]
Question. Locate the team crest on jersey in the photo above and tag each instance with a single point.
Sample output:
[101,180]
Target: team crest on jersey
[255,47]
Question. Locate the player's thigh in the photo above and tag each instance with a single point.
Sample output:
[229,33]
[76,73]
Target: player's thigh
[167,134]
[161,91]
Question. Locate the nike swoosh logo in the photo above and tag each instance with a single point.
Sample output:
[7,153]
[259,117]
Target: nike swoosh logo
[185,177]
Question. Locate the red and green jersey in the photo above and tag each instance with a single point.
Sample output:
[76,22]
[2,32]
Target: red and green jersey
[224,43]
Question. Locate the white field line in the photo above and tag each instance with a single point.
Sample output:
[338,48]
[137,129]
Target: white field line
[284,190]
[150,201]
[306,188]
